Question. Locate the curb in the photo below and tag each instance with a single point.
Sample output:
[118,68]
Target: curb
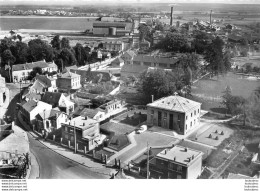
[33,134]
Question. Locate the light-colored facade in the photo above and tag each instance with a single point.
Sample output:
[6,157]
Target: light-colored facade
[177,163]
[102,28]
[128,57]
[22,71]
[174,112]
[114,45]
[31,108]
[87,132]
[68,81]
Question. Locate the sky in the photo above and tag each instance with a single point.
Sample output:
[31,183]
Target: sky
[137,1]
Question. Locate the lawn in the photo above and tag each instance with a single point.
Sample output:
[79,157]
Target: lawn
[209,91]
[242,163]
[98,154]
[116,128]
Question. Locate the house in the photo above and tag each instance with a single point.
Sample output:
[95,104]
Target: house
[68,81]
[87,132]
[155,61]
[57,99]
[50,120]
[31,108]
[128,57]
[104,111]
[175,113]
[114,45]
[22,71]
[68,68]
[118,62]
[144,45]
[94,76]
[132,70]
[176,163]
[2,90]
[48,82]
[107,28]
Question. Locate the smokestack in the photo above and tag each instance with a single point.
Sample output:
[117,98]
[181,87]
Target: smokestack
[171,16]
[210,21]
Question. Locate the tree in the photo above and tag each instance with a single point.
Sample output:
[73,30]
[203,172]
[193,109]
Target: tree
[158,83]
[20,52]
[200,42]
[8,59]
[67,57]
[39,50]
[80,54]
[145,31]
[214,56]
[174,42]
[34,72]
[65,43]
[56,42]
[19,37]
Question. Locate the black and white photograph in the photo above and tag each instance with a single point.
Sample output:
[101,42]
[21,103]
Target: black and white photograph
[129,89]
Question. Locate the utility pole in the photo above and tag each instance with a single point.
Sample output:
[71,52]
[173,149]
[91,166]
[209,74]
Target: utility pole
[75,138]
[20,91]
[148,172]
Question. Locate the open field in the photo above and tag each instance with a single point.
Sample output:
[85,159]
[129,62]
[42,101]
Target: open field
[209,91]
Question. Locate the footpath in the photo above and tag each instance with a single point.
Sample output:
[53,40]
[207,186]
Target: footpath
[69,154]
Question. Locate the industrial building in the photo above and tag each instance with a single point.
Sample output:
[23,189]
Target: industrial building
[109,28]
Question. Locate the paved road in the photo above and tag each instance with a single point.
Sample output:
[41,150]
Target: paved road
[52,165]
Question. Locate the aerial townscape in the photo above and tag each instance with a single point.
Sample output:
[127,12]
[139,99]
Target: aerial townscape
[129,91]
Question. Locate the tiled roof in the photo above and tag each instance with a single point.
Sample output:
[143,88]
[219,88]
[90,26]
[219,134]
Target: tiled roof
[179,154]
[38,86]
[44,79]
[134,69]
[69,75]
[174,103]
[68,68]
[89,112]
[28,66]
[49,113]
[33,95]
[108,24]
[118,60]
[30,105]
[51,98]
[154,59]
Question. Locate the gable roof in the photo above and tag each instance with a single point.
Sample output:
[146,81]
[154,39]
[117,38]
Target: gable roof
[38,86]
[118,60]
[29,66]
[174,103]
[154,59]
[29,106]
[51,98]
[49,114]
[44,79]
[69,75]
[68,68]
[106,76]
[133,69]
[130,53]
[90,112]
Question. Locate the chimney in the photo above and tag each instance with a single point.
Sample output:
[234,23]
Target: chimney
[83,124]
[185,149]
[174,158]
[165,151]
[210,17]
[171,16]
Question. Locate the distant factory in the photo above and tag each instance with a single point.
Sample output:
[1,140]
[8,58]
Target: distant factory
[111,28]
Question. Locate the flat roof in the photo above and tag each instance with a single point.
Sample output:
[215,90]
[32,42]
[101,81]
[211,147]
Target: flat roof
[179,154]
[82,122]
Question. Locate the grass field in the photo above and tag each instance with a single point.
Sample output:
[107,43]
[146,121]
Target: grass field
[209,91]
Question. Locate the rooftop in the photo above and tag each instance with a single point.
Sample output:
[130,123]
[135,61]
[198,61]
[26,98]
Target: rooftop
[51,97]
[83,122]
[69,75]
[155,59]
[174,103]
[179,154]
[109,24]
[28,66]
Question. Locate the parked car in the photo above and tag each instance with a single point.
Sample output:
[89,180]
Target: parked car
[141,129]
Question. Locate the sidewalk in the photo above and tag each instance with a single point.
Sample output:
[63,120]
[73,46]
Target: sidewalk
[69,154]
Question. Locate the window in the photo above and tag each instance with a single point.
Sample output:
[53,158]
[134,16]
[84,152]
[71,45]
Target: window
[186,127]
[186,117]
[198,111]
[23,73]
[179,168]
[171,166]
[179,117]
[195,112]
[66,128]
[165,115]
[191,114]
[194,121]
[152,112]
[191,123]
[66,136]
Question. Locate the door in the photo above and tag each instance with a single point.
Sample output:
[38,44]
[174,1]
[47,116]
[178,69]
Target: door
[171,121]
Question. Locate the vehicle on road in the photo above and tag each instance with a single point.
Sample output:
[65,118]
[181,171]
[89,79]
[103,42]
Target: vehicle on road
[141,129]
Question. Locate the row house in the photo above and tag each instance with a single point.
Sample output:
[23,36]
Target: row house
[176,163]
[153,61]
[87,132]
[114,45]
[175,113]
[21,72]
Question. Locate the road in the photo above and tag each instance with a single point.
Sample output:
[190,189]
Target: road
[51,164]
